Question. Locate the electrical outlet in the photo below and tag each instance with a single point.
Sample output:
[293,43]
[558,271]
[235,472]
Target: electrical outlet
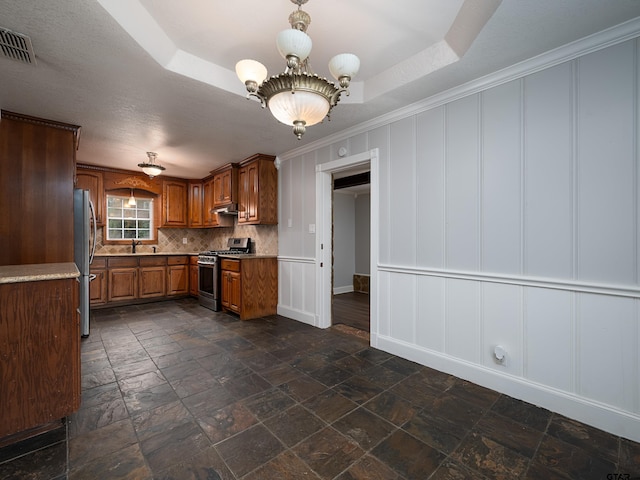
[184,240]
[312,228]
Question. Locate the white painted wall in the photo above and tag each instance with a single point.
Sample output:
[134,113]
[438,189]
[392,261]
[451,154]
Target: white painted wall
[363,233]
[344,241]
[519,197]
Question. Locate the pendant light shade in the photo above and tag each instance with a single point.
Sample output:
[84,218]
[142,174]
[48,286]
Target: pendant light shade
[297,97]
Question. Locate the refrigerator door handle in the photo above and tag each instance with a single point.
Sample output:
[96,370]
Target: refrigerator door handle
[95,232]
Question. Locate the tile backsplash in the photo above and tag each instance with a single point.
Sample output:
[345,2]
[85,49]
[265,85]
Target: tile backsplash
[264,240]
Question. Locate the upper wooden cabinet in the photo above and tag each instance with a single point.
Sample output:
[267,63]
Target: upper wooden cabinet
[209,217]
[174,203]
[258,190]
[195,204]
[92,180]
[225,185]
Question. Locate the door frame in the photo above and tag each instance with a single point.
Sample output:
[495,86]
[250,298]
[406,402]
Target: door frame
[324,227]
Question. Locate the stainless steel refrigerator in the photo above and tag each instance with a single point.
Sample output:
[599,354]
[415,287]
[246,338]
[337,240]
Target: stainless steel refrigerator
[84,248]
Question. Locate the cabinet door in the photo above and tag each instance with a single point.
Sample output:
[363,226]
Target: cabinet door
[92,181]
[225,294]
[210,219]
[151,282]
[235,292]
[245,200]
[98,288]
[195,205]
[193,280]
[178,280]
[174,204]
[123,284]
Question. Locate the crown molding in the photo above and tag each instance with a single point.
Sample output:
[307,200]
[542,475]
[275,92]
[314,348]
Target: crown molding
[598,41]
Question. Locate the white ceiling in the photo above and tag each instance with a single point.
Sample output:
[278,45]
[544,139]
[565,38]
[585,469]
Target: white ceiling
[157,75]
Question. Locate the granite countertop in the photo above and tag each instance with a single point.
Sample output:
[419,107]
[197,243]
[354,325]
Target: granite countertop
[246,255]
[37,271]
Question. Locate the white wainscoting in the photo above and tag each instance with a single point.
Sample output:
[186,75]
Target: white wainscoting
[297,289]
[572,351]
[508,214]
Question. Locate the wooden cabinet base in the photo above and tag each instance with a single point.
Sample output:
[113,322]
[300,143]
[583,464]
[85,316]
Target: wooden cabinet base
[40,353]
[252,288]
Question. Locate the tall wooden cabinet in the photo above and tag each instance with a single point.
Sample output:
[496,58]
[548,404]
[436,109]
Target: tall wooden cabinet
[37,167]
[258,191]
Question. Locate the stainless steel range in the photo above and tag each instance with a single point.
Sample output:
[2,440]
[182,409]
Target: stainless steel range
[209,271]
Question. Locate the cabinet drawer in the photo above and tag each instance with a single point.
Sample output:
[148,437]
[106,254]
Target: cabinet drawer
[193,259]
[122,262]
[153,261]
[232,265]
[177,260]
[99,262]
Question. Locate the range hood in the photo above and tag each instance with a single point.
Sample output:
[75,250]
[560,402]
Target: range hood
[231,209]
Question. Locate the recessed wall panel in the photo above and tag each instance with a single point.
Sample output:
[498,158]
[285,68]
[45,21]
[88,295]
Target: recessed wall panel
[379,138]
[502,326]
[402,198]
[607,166]
[607,350]
[548,173]
[549,338]
[403,307]
[430,298]
[462,324]
[501,179]
[430,192]
[462,178]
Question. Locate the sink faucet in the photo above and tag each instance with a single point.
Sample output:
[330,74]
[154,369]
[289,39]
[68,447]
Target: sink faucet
[133,245]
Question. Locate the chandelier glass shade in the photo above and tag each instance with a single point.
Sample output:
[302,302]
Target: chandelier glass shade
[150,167]
[298,97]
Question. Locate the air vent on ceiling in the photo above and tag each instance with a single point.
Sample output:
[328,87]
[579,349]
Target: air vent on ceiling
[17,46]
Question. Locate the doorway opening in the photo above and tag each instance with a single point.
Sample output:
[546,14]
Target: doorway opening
[351,239]
[325,275]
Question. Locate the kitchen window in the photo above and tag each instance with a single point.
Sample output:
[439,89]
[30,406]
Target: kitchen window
[129,222]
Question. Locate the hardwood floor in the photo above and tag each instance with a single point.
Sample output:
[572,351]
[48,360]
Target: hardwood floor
[351,309]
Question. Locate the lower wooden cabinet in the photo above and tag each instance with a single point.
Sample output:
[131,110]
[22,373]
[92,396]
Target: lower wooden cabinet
[178,280]
[249,286]
[128,279]
[123,284]
[152,282]
[98,287]
[193,276]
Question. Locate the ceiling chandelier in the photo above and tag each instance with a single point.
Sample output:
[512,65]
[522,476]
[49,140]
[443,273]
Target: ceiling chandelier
[150,167]
[297,96]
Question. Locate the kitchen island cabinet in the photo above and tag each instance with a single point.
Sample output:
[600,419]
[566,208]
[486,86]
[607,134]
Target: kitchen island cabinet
[249,285]
[39,347]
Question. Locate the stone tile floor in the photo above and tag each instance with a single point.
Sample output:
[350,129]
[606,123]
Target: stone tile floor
[174,391]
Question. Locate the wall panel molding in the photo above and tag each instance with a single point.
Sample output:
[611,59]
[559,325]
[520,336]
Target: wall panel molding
[522,280]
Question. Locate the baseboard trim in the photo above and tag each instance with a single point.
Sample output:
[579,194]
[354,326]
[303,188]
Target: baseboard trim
[602,416]
[301,316]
